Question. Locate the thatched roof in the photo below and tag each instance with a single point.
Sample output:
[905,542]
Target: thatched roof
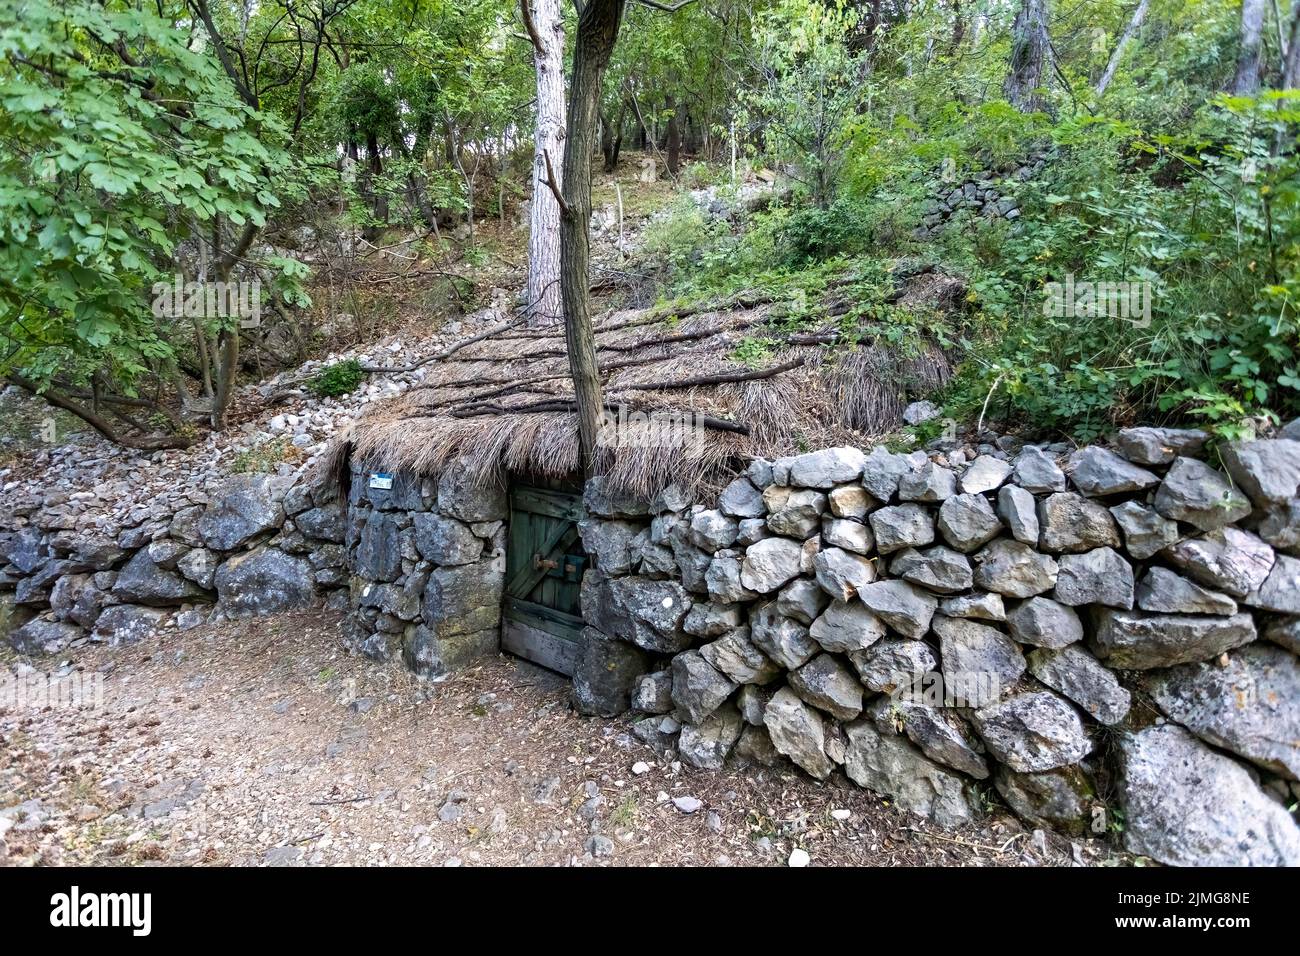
[501,401]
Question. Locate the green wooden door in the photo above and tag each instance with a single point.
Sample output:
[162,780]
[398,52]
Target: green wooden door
[544,565]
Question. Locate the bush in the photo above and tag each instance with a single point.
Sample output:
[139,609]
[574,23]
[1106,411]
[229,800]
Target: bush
[814,235]
[337,379]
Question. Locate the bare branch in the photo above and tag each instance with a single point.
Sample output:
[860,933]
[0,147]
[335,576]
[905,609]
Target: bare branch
[555,186]
[533,36]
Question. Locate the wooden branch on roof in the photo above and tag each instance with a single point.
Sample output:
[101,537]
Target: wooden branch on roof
[679,337]
[562,405]
[720,379]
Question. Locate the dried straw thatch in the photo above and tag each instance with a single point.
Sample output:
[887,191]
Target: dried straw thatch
[682,407]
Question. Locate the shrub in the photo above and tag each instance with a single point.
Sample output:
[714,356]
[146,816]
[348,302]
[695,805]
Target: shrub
[337,379]
[813,235]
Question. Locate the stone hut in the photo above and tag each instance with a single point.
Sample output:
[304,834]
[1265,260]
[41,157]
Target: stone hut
[1106,637]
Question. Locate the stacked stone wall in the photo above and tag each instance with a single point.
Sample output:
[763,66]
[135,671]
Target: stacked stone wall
[1107,637]
[256,545]
[426,560]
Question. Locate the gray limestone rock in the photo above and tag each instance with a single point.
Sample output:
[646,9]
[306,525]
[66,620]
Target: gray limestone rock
[1228,559]
[881,471]
[984,474]
[1070,522]
[802,599]
[1099,576]
[981,605]
[447,541]
[1145,531]
[1037,472]
[1159,446]
[653,693]
[245,507]
[940,733]
[1018,510]
[979,662]
[735,656]
[1280,591]
[144,581]
[1199,495]
[904,607]
[902,526]
[798,732]
[849,535]
[1186,805]
[842,574]
[937,569]
[829,686]
[607,674]
[707,744]
[1074,672]
[893,663]
[892,766]
[967,522]
[263,581]
[932,483]
[827,468]
[770,563]
[1250,707]
[1268,470]
[1032,732]
[1061,799]
[781,638]
[699,688]
[1042,622]
[1013,569]
[741,499]
[847,626]
[1164,591]
[1136,640]
[1098,472]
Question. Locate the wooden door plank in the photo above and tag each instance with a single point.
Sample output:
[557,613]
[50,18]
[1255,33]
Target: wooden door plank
[540,647]
[547,618]
[553,504]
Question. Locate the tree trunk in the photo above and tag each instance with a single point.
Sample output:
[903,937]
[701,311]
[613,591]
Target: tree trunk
[674,137]
[598,26]
[1246,82]
[1291,66]
[1030,57]
[378,199]
[958,27]
[1134,25]
[611,138]
[546,26]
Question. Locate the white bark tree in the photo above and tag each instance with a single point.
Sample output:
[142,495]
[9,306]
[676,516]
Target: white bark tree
[545,24]
[1246,82]
[1135,24]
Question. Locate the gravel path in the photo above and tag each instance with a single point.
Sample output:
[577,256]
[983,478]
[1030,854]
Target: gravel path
[263,743]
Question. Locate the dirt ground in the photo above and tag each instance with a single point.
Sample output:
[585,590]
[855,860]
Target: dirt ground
[264,743]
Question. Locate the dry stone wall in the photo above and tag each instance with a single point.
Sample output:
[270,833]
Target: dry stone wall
[257,544]
[426,561]
[1106,635]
